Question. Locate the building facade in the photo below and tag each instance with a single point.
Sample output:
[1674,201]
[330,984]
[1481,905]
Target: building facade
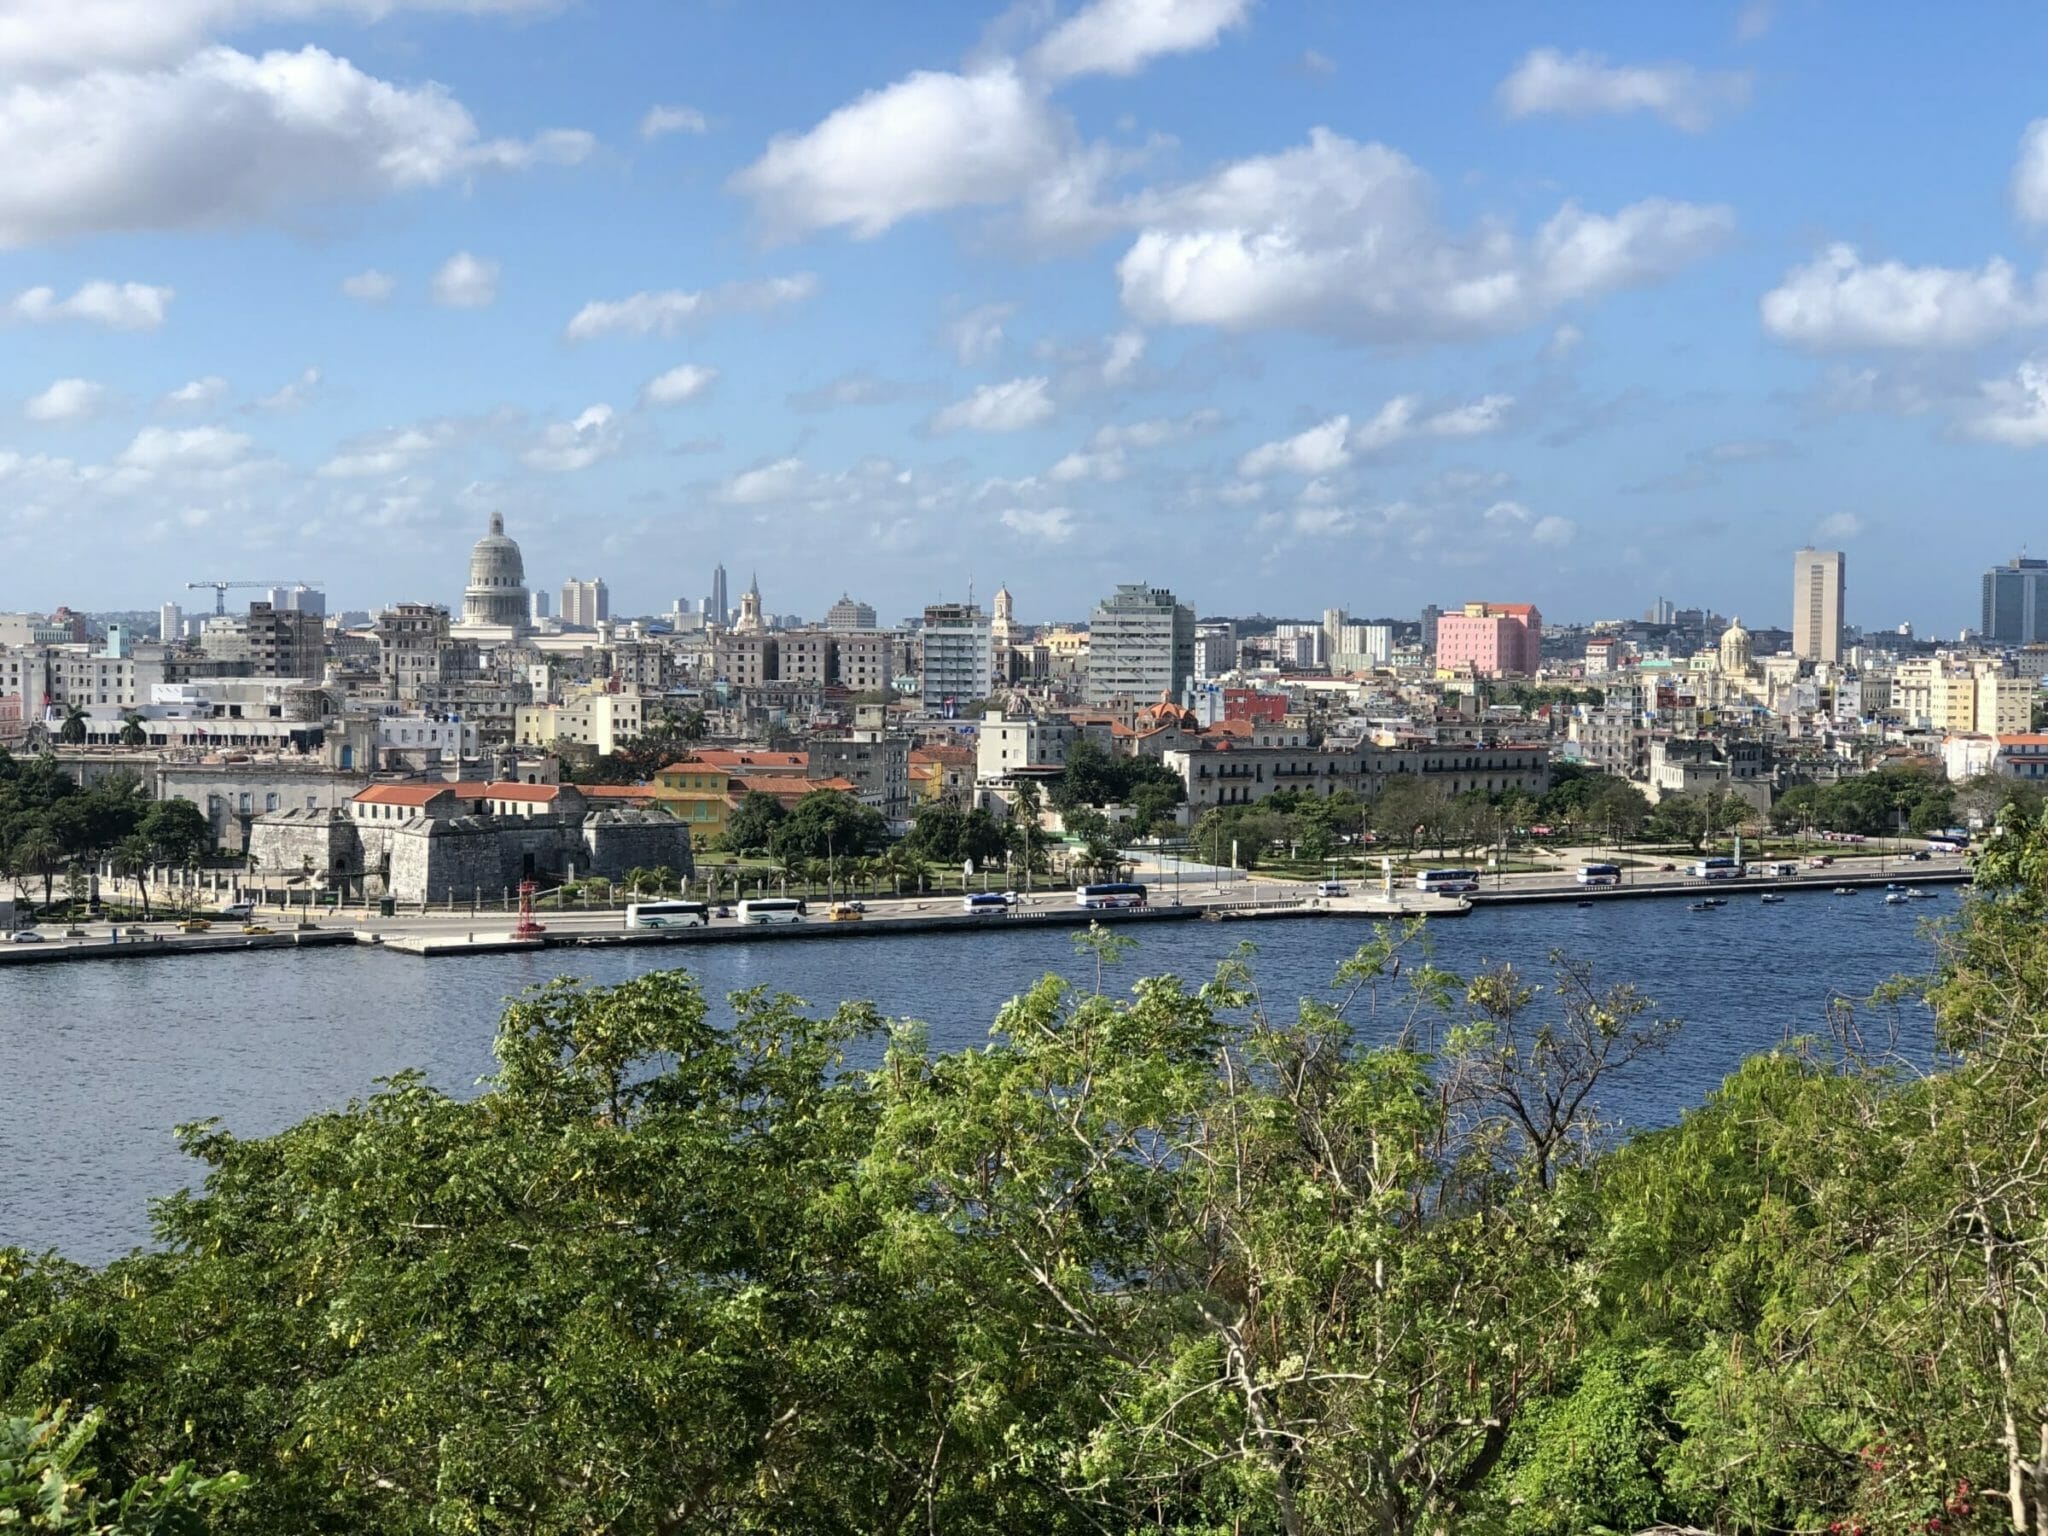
[496,597]
[2015,606]
[959,655]
[1141,645]
[585,604]
[1491,640]
[1817,591]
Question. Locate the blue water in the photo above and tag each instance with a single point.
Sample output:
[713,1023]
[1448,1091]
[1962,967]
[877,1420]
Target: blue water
[99,1061]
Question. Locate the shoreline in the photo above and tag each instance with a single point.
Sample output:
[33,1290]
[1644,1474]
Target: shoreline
[883,920]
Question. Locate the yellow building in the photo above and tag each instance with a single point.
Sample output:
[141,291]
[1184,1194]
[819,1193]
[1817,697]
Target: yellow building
[698,794]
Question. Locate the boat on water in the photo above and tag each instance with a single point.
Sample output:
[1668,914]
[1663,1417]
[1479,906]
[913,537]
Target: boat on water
[1843,890]
[1896,898]
[1921,893]
[1770,898]
[1701,906]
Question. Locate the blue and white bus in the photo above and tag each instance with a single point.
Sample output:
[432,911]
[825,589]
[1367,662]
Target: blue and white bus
[1599,874]
[1720,867]
[1447,882]
[771,909]
[1114,893]
[986,904]
[668,914]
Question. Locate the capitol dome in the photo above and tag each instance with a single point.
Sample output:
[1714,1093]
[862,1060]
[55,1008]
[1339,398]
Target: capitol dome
[1735,649]
[496,596]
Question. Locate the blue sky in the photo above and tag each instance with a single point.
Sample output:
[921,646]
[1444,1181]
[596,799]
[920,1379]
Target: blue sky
[1286,306]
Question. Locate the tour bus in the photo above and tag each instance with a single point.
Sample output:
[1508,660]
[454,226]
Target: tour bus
[1116,893]
[986,904]
[1944,844]
[771,909]
[1447,882]
[668,914]
[1599,874]
[1720,867]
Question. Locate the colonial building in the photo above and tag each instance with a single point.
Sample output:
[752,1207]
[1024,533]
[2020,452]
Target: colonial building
[443,842]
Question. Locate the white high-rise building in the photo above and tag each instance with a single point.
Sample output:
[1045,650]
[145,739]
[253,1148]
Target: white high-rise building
[1817,587]
[585,604]
[959,656]
[1141,645]
[170,623]
[1215,649]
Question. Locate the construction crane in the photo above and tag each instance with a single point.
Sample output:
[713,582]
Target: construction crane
[220,589]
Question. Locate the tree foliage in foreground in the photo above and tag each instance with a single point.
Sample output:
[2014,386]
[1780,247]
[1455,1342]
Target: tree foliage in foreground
[1166,1260]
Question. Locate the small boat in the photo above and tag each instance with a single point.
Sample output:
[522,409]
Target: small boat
[1717,901]
[1699,906]
[1895,898]
[1770,898]
[1843,890]
[1585,903]
[1921,893]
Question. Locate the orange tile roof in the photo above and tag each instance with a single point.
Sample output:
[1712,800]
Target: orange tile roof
[758,763]
[536,793]
[403,794]
[637,794]
[2024,739]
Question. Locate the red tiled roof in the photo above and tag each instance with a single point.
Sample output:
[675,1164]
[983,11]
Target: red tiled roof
[632,794]
[757,763]
[538,794]
[403,794]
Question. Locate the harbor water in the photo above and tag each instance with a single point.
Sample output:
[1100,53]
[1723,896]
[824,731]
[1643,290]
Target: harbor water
[100,1061]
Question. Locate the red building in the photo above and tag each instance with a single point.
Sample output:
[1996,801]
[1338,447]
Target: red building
[1252,705]
[1491,640]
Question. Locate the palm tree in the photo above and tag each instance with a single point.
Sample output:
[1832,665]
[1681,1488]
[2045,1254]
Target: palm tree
[72,731]
[133,732]
[664,877]
[133,857]
[37,852]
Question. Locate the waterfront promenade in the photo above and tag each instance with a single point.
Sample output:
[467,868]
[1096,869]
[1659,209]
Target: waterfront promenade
[433,934]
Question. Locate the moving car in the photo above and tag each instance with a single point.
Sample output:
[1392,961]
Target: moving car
[26,936]
[241,910]
[1332,888]
[846,912]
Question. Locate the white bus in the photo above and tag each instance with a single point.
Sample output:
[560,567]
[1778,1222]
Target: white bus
[1447,882]
[668,914]
[771,909]
[1720,867]
[986,904]
[1599,874]
[1115,893]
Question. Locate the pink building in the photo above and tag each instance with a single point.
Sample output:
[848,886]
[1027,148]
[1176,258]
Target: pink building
[1491,640]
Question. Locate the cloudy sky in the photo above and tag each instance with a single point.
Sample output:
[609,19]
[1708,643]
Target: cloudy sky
[1284,305]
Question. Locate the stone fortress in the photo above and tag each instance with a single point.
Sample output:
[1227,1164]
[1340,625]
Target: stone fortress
[441,842]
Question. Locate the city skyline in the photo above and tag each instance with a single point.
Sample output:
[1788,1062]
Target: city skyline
[657,313]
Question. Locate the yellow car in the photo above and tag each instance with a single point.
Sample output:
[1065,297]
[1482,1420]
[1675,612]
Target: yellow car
[257,928]
[194,925]
[846,912]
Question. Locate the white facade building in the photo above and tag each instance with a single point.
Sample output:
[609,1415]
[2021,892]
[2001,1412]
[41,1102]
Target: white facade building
[1141,645]
[959,655]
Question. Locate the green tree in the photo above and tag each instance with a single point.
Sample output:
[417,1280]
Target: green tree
[45,1487]
[177,829]
[133,858]
[37,853]
[77,722]
[133,732]
[751,826]
[827,823]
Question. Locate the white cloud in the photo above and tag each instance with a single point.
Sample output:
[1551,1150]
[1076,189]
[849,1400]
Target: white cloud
[679,385]
[567,446]
[1318,451]
[292,395]
[67,400]
[977,336]
[1126,351]
[1554,530]
[665,120]
[2030,174]
[1341,236]
[164,448]
[67,36]
[667,311]
[1839,301]
[226,138]
[2013,411]
[931,141]
[1049,525]
[1586,85]
[197,394]
[118,306]
[466,282]
[1838,525]
[1105,457]
[369,286]
[1120,37]
[1753,21]
[391,452]
[778,481]
[1010,406]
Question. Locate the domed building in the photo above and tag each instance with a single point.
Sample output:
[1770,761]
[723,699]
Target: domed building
[1736,650]
[496,598]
